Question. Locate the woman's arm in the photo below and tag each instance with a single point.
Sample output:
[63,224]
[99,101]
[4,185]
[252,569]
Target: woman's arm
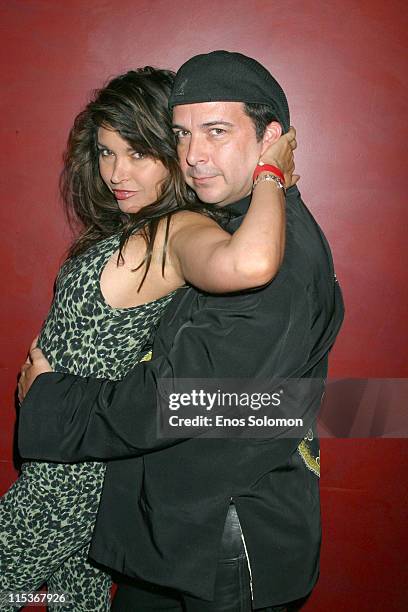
[213,260]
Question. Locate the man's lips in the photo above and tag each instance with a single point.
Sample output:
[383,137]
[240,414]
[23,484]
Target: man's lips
[121,194]
[203,179]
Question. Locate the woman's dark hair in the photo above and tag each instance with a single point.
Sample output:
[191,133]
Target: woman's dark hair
[135,105]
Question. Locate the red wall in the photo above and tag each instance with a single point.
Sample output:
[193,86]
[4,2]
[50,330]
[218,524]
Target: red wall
[342,66]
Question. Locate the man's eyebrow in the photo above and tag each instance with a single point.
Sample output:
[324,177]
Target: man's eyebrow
[212,123]
[207,124]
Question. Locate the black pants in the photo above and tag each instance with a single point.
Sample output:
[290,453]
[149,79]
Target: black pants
[232,584]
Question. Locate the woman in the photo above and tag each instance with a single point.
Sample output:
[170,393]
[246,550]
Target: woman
[142,238]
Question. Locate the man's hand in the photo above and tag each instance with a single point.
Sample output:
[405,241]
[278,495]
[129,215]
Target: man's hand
[280,154]
[34,365]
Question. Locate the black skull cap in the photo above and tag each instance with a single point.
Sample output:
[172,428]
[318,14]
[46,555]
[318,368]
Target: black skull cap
[224,76]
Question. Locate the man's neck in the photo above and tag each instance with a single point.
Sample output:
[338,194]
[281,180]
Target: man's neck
[239,207]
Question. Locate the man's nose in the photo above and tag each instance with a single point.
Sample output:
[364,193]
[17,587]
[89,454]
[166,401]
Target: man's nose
[120,171]
[197,152]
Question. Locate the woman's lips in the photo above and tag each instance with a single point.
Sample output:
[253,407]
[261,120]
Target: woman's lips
[122,194]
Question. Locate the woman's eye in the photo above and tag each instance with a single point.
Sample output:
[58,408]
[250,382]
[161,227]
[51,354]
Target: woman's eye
[137,155]
[104,152]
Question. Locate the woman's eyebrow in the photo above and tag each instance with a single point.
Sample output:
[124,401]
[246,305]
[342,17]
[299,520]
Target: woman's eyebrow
[103,146]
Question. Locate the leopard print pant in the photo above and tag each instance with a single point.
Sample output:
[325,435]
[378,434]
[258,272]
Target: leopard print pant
[46,519]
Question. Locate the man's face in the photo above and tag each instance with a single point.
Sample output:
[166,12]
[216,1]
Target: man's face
[217,149]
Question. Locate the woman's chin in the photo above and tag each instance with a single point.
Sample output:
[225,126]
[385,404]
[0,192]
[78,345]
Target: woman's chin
[129,208]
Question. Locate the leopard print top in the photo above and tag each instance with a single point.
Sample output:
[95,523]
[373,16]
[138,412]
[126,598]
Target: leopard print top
[85,336]
[50,511]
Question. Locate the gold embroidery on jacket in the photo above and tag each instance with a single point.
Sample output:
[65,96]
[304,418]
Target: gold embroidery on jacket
[147,357]
[311,462]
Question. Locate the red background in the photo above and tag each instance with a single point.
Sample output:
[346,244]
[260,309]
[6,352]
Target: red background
[342,66]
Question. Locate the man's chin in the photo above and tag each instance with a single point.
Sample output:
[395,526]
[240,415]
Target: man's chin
[208,196]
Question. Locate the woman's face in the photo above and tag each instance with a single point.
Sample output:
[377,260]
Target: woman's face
[134,179]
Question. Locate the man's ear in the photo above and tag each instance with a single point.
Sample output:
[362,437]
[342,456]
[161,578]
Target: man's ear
[272,133]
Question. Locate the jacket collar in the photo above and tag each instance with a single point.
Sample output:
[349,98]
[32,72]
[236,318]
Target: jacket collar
[239,208]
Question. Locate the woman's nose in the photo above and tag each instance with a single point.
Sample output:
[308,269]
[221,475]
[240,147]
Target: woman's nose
[120,171]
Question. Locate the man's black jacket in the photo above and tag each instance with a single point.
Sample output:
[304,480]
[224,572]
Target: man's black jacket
[164,502]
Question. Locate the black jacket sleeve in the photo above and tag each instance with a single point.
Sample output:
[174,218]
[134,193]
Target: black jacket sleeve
[67,418]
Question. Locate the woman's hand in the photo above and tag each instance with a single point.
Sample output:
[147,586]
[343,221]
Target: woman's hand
[34,365]
[280,154]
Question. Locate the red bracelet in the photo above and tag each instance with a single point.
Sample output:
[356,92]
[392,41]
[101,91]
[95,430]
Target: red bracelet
[268,168]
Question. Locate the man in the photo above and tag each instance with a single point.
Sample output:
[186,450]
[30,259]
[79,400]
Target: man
[170,518]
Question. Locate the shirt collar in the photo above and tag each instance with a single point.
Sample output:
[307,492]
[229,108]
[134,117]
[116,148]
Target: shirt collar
[239,208]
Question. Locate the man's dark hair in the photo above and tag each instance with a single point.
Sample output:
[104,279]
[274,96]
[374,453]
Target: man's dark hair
[261,116]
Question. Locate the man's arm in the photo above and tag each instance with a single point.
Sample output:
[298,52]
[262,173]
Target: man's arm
[68,418]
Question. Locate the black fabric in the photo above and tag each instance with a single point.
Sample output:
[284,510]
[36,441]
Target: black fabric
[228,77]
[162,515]
[232,592]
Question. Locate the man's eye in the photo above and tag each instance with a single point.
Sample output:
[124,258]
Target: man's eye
[137,155]
[179,134]
[217,131]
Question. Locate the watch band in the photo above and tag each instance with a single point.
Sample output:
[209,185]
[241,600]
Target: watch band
[269,177]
